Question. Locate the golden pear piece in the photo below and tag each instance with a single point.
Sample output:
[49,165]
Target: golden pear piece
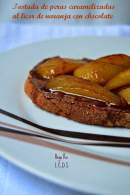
[125,93]
[77,86]
[122,79]
[116,59]
[57,66]
[98,72]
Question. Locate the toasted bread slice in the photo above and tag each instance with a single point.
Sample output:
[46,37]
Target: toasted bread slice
[81,109]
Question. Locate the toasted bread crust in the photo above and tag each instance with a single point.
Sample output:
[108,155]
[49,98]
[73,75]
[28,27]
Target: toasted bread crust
[73,107]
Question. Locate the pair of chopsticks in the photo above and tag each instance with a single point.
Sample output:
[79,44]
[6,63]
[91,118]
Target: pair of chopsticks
[60,135]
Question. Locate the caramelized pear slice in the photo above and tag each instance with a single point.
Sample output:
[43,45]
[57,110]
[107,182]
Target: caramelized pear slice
[98,72]
[77,86]
[122,79]
[125,93]
[57,66]
[116,59]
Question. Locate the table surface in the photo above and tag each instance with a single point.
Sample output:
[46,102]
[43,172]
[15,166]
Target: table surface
[14,180]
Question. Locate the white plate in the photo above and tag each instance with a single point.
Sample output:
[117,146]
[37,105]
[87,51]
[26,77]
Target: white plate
[87,174]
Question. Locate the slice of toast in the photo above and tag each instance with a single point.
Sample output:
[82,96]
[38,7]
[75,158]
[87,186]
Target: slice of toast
[71,106]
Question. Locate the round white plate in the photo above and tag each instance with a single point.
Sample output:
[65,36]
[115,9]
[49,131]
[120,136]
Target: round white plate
[87,174]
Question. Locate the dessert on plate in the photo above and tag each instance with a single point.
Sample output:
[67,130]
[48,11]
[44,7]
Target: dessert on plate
[95,92]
